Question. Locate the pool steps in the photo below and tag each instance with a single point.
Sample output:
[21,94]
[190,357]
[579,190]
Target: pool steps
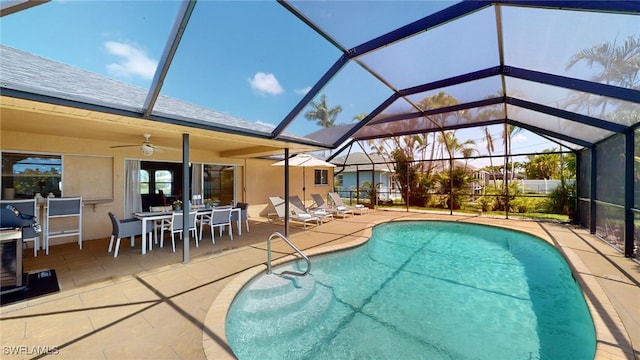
[273,308]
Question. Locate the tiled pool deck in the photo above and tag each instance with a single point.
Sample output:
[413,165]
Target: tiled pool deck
[156,307]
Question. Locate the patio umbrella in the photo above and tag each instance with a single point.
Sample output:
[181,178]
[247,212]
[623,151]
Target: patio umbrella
[304,160]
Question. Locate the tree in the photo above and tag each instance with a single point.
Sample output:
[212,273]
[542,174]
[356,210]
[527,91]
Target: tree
[439,100]
[510,132]
[617,64]
[360,117]
[543,166]
[453,184]
[450,142]
[321,112]
[415,187]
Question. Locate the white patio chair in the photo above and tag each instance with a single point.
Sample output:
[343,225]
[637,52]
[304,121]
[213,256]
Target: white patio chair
[220,217]
[341,207]
[279,205]
[176,227]
[297,207]
[159,226]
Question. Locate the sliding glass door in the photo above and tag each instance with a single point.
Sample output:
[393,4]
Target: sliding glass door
[218,183]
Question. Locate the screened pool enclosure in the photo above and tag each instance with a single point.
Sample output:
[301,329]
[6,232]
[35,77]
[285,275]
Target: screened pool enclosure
[564,72]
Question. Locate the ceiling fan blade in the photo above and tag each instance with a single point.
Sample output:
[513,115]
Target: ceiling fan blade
[123,146]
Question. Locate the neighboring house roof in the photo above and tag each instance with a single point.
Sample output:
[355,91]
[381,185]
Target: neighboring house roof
[362,162]
[25,72]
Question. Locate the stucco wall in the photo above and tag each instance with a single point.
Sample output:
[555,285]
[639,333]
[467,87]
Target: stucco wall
[264,180]
[256,179]
[96,223]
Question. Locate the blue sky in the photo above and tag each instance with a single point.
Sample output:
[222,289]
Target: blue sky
[255,60]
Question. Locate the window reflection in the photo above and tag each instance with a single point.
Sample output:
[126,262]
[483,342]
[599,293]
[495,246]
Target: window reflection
[218,183]
[25,175]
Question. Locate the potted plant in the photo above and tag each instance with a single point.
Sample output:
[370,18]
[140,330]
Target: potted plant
[177,205]
[208,203]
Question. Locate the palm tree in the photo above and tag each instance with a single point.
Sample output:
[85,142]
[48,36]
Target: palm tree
[619,65]
[491,113]
[450,142]
[360,117]
[490,150]
[510,131]
[543,166]
[321,112]
[439,100]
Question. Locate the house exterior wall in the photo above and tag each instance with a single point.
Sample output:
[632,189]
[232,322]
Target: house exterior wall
[256,179]
[350,181]
[264,180]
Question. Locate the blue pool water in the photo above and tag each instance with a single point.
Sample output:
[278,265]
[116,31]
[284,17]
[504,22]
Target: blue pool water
[419,290]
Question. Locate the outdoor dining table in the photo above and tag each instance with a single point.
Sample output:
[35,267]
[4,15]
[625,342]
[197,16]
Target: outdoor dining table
[156,215]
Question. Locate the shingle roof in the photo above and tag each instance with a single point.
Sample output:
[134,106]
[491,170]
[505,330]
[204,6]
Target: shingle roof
[28,73]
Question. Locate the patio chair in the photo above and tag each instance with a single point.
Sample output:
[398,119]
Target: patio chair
[279,205]
[319,202]
[162,224]
[339,204]
[67,208]
[123,228]
[243,216]
[28,217]
[341,211]
[297,206]
[176,227]
[219,217]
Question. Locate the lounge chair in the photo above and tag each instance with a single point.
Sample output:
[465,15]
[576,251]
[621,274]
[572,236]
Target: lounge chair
[321,204]
[279,205]
[297,206]
[339,204]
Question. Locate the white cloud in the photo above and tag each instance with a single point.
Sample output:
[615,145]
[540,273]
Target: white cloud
[133,62]
[302,91]
[266,84]
[519,138]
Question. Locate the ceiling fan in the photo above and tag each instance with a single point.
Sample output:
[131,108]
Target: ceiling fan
[147,148]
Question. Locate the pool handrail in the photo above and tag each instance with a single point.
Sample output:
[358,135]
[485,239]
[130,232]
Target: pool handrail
[305,257]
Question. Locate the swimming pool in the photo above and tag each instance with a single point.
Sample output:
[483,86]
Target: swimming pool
[419,290]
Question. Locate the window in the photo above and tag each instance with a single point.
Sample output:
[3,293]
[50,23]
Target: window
[160,177]
[163,181]
[338,180]
[321,177]
[24,175]
[144,182]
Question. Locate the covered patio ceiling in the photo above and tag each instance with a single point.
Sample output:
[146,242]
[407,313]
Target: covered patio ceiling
[399,67]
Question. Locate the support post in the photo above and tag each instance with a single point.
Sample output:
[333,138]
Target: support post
[594,186]
[286,192]
[628,193]
[186,184]
[505,180]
